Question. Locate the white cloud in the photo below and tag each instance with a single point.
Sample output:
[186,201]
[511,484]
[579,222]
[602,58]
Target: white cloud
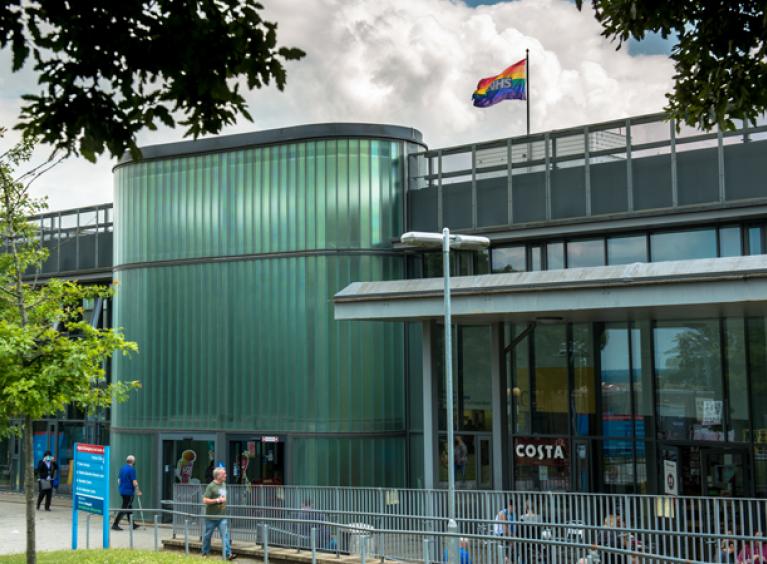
[416,63]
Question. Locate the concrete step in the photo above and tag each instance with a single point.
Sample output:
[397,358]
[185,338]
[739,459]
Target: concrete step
[282,555]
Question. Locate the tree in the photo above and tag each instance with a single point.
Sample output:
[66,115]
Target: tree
[720,56]
[50,357]
[109,69]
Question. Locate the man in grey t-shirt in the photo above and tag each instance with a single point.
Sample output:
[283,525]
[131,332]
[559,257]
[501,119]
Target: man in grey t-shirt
[214,499]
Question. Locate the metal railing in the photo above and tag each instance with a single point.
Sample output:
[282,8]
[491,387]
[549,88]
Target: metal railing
[577,172]
[77,240]
[545,527]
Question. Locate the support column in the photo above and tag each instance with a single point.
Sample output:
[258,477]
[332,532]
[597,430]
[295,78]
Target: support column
[499,406]
[430,454]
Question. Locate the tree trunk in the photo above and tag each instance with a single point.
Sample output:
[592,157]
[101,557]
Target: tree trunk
[29,488]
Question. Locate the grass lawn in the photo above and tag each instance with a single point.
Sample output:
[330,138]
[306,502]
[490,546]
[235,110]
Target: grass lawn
[111,556]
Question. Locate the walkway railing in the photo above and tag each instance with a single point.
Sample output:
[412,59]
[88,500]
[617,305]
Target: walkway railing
[627,165]
[546,527]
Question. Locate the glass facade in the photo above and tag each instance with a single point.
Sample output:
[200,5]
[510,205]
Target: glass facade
[227,264]
[600,406]
[616,399]
[681,244]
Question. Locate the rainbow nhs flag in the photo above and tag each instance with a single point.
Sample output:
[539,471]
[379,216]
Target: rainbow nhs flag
[511,84]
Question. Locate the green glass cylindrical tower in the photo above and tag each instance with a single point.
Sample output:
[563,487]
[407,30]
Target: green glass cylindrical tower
[228,252]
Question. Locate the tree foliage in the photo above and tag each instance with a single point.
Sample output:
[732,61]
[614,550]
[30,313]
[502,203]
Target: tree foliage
[50,355]
[109,69]
[720,57]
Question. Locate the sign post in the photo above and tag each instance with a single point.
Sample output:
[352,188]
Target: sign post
[91,487]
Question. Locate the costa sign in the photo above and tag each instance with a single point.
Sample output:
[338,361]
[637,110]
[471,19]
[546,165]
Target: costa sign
[541,451]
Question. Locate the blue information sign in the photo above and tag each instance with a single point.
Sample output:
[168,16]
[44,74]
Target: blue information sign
[90,491]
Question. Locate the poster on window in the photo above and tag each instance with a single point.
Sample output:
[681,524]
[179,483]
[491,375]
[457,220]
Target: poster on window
[712,412]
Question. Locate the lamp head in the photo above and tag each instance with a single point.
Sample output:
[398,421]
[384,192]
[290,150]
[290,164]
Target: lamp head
[432,240]
[421,239]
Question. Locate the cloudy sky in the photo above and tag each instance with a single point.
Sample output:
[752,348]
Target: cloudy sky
[413,63]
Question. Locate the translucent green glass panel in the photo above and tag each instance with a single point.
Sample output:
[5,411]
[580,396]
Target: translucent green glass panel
[142,446]
[253,345]
[348,461]
[327,194]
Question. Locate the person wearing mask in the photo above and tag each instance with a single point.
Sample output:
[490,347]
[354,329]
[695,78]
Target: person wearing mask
[128,488]
[47,470]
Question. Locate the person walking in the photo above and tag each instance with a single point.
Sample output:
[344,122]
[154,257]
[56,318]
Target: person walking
[461,455]
[214,499]
[47,470]
[505,521]
[128,488]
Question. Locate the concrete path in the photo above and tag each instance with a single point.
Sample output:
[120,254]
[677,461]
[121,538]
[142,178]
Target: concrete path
[54,532]
[54,528]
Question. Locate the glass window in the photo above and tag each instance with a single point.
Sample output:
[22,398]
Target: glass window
[465,455]
[509,259]
[585,253]
[616,386]
[729,242]
[683,245]
[641,375]
[625,250]
[618,466]
[550,406]
[432,265]
[755,246]
[645,467]
[555,256]
[475,378]
[482,262]
[541,464]
[584,379]
[463,263]
[536,262]
[689,381]
[757,368]
[737,380]
[520,400]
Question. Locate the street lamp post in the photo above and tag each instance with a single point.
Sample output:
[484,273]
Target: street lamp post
[448,241]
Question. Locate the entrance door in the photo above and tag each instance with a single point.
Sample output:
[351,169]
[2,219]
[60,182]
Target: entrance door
[724,472]
[187,460]
[484,463]
[473,461]
[257,460]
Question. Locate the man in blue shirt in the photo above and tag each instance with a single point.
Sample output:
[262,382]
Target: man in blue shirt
[128,487]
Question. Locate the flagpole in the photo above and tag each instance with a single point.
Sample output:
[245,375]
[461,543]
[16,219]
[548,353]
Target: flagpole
[527,86]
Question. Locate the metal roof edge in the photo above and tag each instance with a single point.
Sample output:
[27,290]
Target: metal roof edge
[276,136]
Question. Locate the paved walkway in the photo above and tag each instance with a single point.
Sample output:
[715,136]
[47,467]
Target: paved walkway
[54,532]
[54,528]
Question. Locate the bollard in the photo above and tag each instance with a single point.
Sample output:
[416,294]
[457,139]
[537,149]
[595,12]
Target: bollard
[426,559]
[363,548]
[88,531]
[156,533]
[186,536]
[314,545]
[501,555]
[130,530]
[265,544]
[338,543]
